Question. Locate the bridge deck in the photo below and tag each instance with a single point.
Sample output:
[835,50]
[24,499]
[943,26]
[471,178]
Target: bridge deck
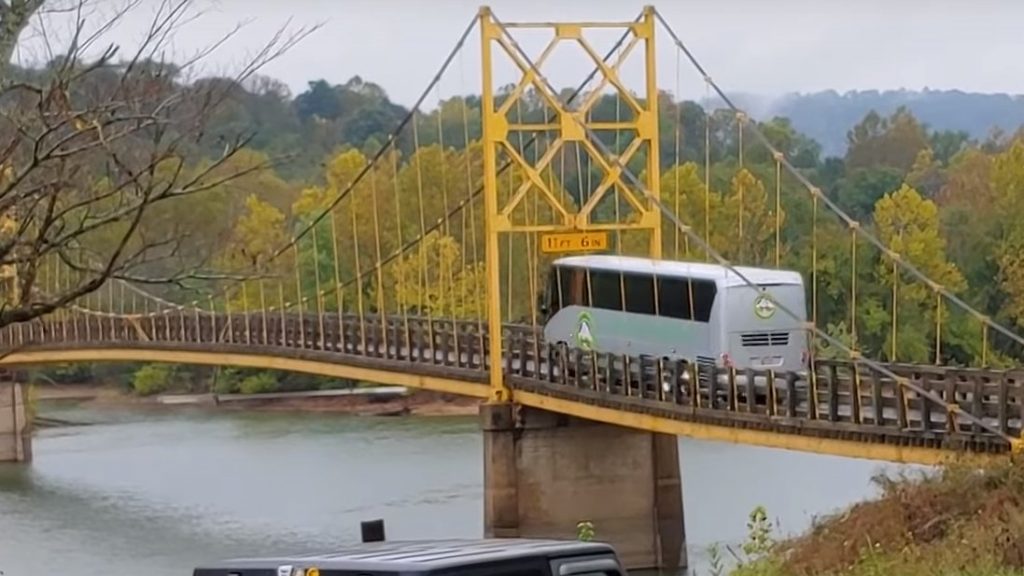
[841,407]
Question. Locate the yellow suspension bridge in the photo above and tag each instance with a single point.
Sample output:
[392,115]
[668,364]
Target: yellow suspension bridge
[428,271]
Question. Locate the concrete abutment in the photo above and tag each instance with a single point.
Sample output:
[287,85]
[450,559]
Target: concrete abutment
[15,434]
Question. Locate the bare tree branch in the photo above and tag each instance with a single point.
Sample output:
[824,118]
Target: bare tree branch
[94,151]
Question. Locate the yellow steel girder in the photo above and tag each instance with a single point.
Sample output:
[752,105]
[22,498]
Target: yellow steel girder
[247,360]
[766,439]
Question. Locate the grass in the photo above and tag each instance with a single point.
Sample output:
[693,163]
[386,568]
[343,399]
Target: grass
[961,520]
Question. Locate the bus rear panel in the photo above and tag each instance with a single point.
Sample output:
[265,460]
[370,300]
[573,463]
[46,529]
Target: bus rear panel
[759,334]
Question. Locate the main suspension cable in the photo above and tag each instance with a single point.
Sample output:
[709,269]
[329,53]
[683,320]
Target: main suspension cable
[815,191]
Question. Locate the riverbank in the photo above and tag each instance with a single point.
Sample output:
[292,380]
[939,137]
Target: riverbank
[961,520]
[411,403]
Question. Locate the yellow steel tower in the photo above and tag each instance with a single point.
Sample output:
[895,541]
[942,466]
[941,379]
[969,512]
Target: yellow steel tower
[572,223]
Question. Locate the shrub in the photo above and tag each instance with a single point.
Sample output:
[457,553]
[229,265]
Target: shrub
[260,383]
[153,379]
[585,531]
[226,381]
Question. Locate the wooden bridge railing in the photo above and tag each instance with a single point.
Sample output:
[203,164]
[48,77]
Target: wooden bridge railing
[838,399]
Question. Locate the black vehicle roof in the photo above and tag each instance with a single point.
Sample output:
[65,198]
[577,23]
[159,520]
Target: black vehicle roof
[422,554]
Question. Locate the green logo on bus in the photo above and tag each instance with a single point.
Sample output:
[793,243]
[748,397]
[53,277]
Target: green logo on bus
[764,308]
[584,334]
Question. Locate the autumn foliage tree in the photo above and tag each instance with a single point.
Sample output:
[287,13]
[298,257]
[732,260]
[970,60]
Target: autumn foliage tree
[434,281]
[1008,188]
[909,225]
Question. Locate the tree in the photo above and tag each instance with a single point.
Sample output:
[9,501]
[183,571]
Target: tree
[256,237]
[750,220]
[971,222]
[682,191]
[703,210]
[257,234]
[947,144]
[894,141]
[203,225]
[862,188]
[1008,188]
[801,151]
[926,175]
[434,283]
[90,147]
[320,101]
[908,224]
[456,122]
[14,18]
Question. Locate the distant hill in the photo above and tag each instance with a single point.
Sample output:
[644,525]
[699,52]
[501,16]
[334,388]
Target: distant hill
[826,116]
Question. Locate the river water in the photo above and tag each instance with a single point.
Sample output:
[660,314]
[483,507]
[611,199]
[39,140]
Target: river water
[150,493]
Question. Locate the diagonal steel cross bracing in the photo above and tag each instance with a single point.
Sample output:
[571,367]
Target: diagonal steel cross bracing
[571,123]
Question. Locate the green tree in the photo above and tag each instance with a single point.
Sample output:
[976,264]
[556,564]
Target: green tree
[927,174]
[683,192]
[750,221]
[801,151]
[946,144]
[861,188]
[318,101]
[1008,189]
[894,141]
[971,220]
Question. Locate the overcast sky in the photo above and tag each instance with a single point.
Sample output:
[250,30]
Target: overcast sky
[767,47]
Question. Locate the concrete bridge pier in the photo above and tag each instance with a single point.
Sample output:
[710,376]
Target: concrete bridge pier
[545,472]
[15,435]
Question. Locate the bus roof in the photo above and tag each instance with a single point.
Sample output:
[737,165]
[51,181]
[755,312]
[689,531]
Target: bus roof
[696,270]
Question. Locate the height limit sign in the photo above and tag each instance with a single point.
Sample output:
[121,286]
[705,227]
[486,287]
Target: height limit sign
[574,242]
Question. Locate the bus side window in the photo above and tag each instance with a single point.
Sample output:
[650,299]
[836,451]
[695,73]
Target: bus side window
[639,293]
[606,289]
[673,298]
[570,288]
[686,299]
[579,294]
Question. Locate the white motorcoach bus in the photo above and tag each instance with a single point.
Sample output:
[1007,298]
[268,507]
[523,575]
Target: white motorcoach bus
[698,312]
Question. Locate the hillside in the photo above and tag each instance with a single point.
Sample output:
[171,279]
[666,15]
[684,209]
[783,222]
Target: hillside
[826,116]
[953,205]
[962,520]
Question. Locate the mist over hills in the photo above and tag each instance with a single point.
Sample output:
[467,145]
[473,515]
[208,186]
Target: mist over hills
[827,116]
